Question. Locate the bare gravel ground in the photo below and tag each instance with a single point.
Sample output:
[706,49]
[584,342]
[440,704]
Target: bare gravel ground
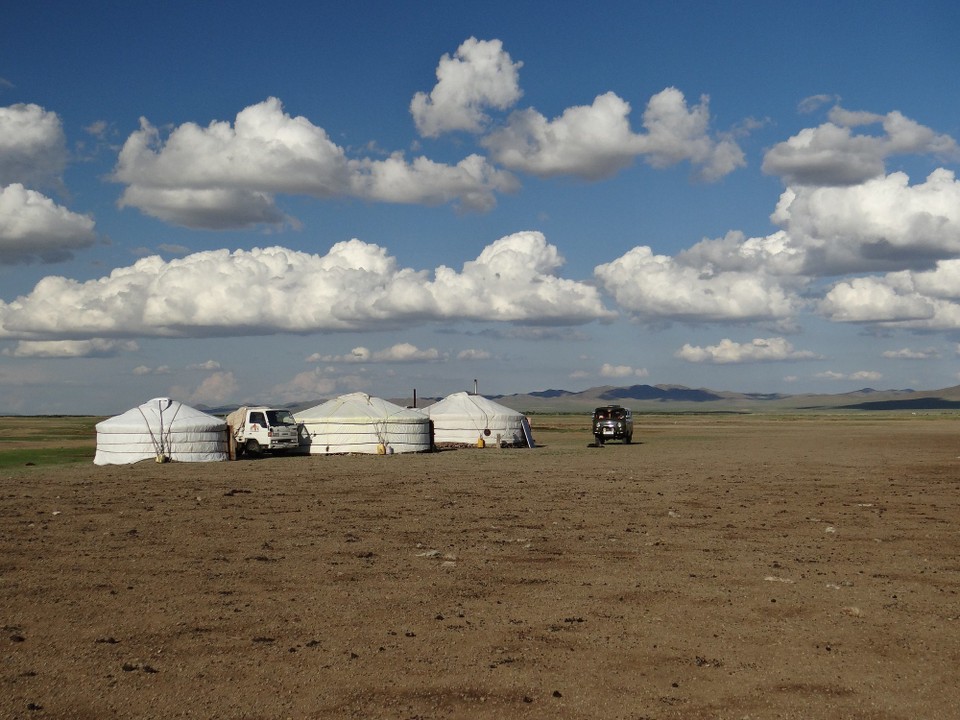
[722,567]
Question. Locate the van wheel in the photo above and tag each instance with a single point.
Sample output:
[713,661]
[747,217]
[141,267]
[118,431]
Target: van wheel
[253,448]
[628,439]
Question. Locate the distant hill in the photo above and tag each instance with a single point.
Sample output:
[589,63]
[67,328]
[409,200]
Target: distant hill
[659,392]
[551,393]
[907,404]
[678,398]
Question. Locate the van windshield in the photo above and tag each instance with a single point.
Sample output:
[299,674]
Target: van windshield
[610,413]
[280,417]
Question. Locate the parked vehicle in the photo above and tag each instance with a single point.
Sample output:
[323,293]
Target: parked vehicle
[612,422]
[257,430]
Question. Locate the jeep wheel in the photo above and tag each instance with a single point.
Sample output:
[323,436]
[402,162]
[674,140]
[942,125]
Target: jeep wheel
[253,448]
[599,439]
[627,439]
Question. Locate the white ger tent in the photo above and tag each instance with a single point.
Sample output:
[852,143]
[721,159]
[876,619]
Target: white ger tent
[466,419]
[358,423]
[161,429]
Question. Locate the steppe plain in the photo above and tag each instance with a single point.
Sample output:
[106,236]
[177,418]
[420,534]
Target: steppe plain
[722,566]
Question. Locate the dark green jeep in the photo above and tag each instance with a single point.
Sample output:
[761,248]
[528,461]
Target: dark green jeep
[612,422]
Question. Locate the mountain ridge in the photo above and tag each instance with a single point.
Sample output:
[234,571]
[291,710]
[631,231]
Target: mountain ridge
[680,398]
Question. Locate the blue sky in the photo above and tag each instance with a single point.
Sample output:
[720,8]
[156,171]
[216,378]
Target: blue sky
[238,202]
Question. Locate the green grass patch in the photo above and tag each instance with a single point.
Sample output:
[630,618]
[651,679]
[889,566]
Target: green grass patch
[47,428]
[45,457]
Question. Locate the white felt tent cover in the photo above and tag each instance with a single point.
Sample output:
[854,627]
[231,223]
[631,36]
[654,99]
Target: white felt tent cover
[465,419]
[359,423]
[162,428]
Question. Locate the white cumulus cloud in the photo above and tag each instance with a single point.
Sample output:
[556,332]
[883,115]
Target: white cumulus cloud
[910,354]
[33,152]
[833,154]
[480,75]
[215,389]
[33,227]
[228,176]
[33,148]
[473,354]
[857,375]
[406,352]
[357,355]
[355,286]
[321,382]
[883,224]
[658,287]
[147,370]
[95,347]
[874,299]
[775,254]
[596,141]
[472,182]
[676,132]
[399,353]
[206,365]
[927,300]
[621,371]
[775,349]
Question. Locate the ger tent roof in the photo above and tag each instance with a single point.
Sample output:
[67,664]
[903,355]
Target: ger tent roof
[164,429]
[465,419]
[359,423]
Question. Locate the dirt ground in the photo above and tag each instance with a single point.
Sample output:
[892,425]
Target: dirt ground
[721,567]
